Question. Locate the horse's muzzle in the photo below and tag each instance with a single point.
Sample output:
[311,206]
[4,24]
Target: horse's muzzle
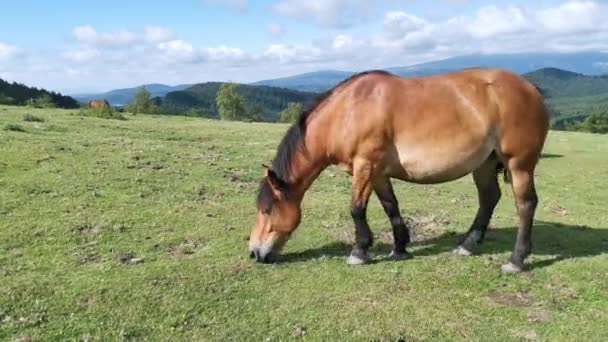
[262,258]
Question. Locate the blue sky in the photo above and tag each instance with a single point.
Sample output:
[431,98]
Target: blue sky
[80,46]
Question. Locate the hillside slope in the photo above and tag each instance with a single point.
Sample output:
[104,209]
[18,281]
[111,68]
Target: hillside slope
[20,94]
[137,230]
[127,95]
[203,96]
[588,63]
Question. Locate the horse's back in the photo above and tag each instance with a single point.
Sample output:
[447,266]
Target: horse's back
[438,128]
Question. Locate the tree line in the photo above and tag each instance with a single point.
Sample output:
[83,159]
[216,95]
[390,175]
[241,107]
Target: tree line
[19,95]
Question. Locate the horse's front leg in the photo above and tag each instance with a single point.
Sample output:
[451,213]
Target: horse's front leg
[401,233]
[362,188]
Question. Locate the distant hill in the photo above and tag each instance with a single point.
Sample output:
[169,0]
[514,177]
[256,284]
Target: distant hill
[19,94]
[127,95]
[588,63]
[317,81]
[203,96]
[561,83]
[571,97]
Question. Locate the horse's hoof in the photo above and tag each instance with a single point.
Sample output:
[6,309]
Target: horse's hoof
[357,258]
[400,256]
[511,268]
[462,251]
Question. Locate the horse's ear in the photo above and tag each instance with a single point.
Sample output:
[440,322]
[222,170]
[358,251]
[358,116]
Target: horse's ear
[276,184]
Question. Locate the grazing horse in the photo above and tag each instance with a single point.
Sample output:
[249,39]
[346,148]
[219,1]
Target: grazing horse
[99,104]
[428,130]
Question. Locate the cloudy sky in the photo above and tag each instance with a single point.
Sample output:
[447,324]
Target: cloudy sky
[82,46]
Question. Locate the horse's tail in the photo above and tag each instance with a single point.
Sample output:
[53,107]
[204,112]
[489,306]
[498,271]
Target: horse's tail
[500,167]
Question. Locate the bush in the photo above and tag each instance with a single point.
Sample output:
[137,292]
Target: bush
[32,118]
[14,128]
[102,113]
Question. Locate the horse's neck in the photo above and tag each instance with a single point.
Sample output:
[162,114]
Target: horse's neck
[308,163]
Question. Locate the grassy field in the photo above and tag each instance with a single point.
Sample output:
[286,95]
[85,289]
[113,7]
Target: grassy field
[137,229]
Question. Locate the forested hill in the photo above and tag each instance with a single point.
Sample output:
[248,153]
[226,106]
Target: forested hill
[19,94]
[268,100]
[562,83]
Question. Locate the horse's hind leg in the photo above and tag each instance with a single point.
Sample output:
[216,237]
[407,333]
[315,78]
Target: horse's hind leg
[526,200]
[488,192]
[401,233]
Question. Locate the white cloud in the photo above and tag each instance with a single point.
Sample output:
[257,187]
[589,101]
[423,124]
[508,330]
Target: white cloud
[9,52]
[276,30]
[332,13]
[158,34]
[238,5]
[154,53]
[293,53]
[491,21]
[178,51]
[87,35]
[342,41]
[82,55]
[225,53]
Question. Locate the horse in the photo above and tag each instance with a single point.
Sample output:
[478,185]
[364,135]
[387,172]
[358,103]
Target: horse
[427,130]
[99,104]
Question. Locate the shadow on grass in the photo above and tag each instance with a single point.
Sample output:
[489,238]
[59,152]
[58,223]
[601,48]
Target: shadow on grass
[548,239]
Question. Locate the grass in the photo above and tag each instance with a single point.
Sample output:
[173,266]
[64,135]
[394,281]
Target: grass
[136,230]
[102,113]
[32,118]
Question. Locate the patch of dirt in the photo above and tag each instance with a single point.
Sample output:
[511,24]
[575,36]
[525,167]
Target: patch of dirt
[516,299]
[129,259]
[185,248]
[23,339]
[526,335]
[562,293]
[90,229]
[539,316]
[24,322]
[299,332]
[46,159]
[422,228]
[88,258]
[559,210]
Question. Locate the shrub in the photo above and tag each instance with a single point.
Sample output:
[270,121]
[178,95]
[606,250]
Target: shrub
[14,128]
[32,118]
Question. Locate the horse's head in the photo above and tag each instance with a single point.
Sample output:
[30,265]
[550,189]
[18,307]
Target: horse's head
[278,216]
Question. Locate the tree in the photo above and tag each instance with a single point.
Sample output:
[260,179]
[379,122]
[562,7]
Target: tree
[256,113]
[594,123]
[230,104]
[143,102]
[7,100]
[292,112]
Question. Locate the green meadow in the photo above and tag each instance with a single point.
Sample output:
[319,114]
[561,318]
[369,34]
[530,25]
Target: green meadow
[137,229]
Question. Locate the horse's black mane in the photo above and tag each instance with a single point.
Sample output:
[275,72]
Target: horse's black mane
[293,140]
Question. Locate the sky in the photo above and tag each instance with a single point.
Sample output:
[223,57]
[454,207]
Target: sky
[94,45]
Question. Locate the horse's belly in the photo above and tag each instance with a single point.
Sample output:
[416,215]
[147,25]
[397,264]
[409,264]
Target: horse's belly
[437,164]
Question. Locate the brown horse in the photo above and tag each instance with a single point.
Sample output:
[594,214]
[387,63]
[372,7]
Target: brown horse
[99,104]
[422,130]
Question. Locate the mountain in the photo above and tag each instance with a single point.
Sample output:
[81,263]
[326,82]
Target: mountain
[561,83]
[571,96]
[127,95]
[317,81]
[270,100]
[20,94]
[588,63]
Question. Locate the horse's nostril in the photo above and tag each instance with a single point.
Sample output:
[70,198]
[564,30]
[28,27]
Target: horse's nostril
[258,256]
[251,255]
